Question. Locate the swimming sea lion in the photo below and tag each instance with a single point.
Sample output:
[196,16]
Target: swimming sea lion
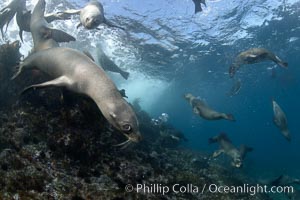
[77,72]
[252,56]
[280,120]
[201,109]
[284,180]
[198,7]
[8,12]
[108,65]
[43,36]
[229,149]
[91,15]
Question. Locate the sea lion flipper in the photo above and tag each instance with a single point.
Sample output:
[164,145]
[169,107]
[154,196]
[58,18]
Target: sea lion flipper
[58,82]
[61,36]
[195,110]
[56,16]
[88,54]
[21,34]
[217,153]
[198,7]
[110,24]
[124,74]
[78,25]
[70,11]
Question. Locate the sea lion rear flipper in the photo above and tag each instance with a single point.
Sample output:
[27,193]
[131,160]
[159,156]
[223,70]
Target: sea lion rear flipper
[58,82]
[198,7]
[229,117]
[61,36]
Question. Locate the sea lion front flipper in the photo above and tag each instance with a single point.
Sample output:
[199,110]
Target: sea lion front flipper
[124,74]
[21,34]
[61,36]
[78,25]
[70,12]
[217,153]
[56,16]
[195,110]
[58,82]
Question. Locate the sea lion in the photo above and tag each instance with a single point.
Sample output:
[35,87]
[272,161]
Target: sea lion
[198,7]
[252,56]
[77,72]
[229,149]
[280,120]
[8,12]
[201,109]
[43,36]
[108,65]
[284,180]
[91,16]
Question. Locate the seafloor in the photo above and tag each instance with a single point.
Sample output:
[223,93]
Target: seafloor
[55,144]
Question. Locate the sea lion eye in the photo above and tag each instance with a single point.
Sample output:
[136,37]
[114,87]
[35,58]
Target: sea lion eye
[127,128]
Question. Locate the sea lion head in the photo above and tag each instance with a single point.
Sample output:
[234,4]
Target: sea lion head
[237,162]
[188,96]
[92,21]
[125,120]
[92,15]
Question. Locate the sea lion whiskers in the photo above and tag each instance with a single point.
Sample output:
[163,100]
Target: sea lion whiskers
[124,145]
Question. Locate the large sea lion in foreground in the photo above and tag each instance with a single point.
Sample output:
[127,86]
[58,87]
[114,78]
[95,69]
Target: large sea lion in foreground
[252,56]
[198,7]
[229,149]
[201,109]
[43,36]
[280,120]
[91,15]
[77,72]
[108,65]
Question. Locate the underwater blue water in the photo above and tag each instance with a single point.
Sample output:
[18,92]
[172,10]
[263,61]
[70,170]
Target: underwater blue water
[170,51]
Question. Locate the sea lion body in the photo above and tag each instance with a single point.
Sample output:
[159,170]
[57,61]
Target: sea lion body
[43,36]
[108,65]
[280,120]
[252,56]
[229,149]
[201,109]
[77,72]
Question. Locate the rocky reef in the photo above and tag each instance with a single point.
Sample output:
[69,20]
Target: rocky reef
[55,144]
